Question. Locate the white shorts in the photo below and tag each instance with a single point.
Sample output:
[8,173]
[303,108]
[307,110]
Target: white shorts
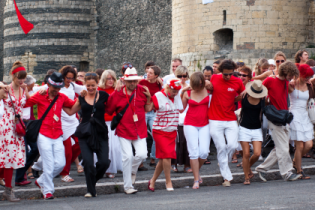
[249,135]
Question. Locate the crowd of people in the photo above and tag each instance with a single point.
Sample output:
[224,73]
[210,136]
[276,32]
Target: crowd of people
[107,120]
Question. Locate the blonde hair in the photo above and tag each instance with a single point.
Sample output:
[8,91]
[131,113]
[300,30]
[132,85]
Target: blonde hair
[279,53]
[103,79]
[261,63]
[180,70]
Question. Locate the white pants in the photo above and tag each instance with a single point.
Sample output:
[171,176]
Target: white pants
[198,141]
[52,152]
[131,163]
[221,131]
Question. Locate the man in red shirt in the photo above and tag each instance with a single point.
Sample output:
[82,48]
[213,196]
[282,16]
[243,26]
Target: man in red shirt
[278,88]
[132,129]
[223,121]
[50,141]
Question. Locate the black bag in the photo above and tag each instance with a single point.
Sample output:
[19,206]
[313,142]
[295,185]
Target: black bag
[91,130]
[115,121]
[278,117]
[33,126]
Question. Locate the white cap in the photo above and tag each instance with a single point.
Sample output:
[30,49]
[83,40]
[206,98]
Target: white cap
[271,62]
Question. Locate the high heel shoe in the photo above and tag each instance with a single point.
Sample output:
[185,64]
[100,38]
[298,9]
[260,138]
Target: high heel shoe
[169,189]
[152,189]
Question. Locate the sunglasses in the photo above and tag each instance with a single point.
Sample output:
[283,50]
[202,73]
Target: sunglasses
[230,74]
[181,76]
[127,65]
[69,78]
[91,74]
[278,61]
[242,75]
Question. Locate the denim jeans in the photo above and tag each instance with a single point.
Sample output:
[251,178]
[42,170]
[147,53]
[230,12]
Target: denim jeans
[30,158]
[149,118]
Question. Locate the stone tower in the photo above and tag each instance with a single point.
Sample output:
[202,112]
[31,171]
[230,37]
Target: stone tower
[239,29]
[63,34]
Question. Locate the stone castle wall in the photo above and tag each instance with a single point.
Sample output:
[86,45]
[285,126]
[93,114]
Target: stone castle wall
[2,4]
[238,29]
[135,31]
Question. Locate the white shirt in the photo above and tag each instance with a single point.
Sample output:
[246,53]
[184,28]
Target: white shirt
[70,123]
[1,109]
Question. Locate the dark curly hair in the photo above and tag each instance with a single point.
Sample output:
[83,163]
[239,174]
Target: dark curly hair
[68,69]
[298,55]
[227,64]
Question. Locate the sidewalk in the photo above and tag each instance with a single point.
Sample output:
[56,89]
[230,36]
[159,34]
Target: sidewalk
[210,174]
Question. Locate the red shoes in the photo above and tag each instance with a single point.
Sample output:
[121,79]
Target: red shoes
[23,183]
[152,189]
[48,196]
[36,183]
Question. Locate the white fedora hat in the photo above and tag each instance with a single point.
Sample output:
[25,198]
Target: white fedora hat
[131,74]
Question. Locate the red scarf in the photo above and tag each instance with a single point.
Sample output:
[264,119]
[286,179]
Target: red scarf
[26,26]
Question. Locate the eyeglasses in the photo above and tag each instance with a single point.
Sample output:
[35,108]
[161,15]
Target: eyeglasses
[91,74]
[127,65]
[230,74]
[69,78]
[278,61]
[181,76]
[242,75]
[110,78]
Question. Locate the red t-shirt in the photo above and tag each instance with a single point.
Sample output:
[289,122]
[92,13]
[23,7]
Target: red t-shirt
[222,105]
[50,127]
[127,128]
[277,92]
[107,117]
[153,87]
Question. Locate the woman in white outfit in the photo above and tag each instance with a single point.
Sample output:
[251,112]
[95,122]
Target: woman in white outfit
[108,83]
[301,127]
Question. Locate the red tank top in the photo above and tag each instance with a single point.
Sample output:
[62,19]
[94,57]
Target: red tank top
[197,112]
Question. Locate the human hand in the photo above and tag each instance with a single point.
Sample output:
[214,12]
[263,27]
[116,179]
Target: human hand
[160,81]
[208,85]
[243,93]
[146,92]
[42,91]
[24,86]
[119,85]
[83,93]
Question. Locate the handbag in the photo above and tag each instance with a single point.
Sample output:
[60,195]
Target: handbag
[33,126]
[19,124]
[311,104]
[115,121]
[278,117]
[91,129]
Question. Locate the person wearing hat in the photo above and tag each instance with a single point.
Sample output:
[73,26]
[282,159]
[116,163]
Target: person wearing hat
[301,127]
[50,140]
[132,129]
[272,65]
[250,125]
[164,130]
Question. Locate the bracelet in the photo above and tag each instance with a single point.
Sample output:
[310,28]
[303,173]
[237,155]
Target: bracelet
[148,103]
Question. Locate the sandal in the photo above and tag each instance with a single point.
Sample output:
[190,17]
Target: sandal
[303,175]
[200,180]
[109,175]
[240,164]
[195,187]
[174,168]
[30,175]
[247,182]
[2,183]
[207,162]
[67,179]
[187,170]
[80,170]
[234,160]
[251,175]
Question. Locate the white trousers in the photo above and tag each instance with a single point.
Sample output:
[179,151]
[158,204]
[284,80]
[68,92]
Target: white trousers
[221,131]
[53,157]
[131,163]
[198,141]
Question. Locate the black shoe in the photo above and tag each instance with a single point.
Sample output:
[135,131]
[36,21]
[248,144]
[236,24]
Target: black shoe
[35,173]
[142,168]
[207,162]
[153,164]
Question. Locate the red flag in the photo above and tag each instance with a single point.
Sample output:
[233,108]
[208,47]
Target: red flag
[26,26]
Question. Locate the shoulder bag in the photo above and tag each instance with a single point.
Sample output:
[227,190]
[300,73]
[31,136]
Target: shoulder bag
[311,104]
[33,126]
[19,124]
[115,121]
[278,117]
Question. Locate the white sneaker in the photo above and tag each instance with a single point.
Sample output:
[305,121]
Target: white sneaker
[88,195]
[131,191]
[133,178]
[260,158]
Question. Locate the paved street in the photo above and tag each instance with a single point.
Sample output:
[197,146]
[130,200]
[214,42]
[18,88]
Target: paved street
[270,195]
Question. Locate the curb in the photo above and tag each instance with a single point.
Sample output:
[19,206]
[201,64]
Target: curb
[179,182]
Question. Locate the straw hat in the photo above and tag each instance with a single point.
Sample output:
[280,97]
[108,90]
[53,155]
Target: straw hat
[131,74]
[256,89]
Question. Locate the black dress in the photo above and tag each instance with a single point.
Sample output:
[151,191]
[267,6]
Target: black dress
[92,174]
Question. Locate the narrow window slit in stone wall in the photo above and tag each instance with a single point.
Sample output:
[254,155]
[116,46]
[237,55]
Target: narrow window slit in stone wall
[224,17]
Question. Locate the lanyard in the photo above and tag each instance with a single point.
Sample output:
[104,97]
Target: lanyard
[134,100]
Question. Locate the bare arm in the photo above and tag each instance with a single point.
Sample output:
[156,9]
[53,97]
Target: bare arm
[149,105]
[263,76]
[185,100]
[74,109]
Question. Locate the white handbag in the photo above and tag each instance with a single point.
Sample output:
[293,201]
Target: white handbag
[311,109]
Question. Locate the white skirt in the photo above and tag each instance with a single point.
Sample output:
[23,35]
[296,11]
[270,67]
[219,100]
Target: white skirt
[301,127]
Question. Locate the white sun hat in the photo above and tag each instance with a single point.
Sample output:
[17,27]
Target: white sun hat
[272,62]
[131,74]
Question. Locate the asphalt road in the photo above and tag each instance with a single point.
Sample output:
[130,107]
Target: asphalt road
[270,195]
